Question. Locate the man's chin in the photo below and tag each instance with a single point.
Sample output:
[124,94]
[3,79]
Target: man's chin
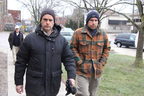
[47,29]
[93,28]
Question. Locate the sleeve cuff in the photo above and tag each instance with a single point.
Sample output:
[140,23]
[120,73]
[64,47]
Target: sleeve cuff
[80,62]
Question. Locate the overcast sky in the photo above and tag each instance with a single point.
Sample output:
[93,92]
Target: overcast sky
[15,5]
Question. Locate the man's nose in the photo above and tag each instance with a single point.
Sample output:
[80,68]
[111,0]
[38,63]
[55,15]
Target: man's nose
[48,21]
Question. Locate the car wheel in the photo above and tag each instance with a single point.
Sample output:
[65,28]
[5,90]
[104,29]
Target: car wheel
[119,44]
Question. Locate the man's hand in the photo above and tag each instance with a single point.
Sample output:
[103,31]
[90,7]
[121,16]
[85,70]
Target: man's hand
[19,89]
[70,87]
[73,82]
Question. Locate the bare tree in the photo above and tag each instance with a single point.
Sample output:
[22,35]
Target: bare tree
[139,55]
[102,6]
[77,16]
[36,6]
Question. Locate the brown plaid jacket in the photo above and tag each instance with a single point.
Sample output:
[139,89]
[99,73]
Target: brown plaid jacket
[89,50]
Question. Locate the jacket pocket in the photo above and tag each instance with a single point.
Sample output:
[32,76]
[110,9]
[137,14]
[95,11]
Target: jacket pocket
[56,80]
[99,68]
[34,73]
[34,82]
[99,48]
[83,48]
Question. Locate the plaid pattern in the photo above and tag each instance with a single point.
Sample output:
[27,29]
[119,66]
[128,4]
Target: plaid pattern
[89,50]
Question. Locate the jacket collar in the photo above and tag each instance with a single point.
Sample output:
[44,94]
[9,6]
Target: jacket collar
[85,30]
[55,33]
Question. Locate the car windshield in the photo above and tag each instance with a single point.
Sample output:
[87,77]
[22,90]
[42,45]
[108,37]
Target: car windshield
[132,37]
[66,32]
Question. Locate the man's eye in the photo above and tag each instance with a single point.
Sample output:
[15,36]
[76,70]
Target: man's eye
[50,20]
[45,19]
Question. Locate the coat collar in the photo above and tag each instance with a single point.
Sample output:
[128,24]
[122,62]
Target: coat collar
[85,30]
[55,33]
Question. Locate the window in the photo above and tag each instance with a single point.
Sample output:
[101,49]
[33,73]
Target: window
[18,16]
[1,9]
[132,37]
[126,36]
[65,33]
[60,19]
[114,27]
[119,36]
[64,18]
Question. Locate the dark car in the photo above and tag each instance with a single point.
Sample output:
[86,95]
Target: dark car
[67,33]
[9,26]
[125,39]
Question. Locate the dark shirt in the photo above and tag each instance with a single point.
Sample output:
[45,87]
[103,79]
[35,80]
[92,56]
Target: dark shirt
[16,41]
[92,31]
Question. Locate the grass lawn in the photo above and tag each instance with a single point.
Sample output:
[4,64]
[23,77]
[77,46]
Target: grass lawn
[119,77]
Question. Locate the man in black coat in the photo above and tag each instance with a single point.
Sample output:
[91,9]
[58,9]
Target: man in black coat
[40,55]
[15,39]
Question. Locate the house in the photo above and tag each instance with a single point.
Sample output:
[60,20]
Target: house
[61,20]
[16,14]
[115,23]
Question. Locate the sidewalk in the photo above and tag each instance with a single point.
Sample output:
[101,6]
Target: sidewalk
[11,86]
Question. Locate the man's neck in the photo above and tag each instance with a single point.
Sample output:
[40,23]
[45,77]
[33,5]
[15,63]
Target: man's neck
[17,32]
[49,32]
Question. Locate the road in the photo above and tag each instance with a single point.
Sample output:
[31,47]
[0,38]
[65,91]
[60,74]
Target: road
[4,40]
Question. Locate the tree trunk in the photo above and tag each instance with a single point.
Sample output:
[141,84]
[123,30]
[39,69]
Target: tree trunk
[139,54]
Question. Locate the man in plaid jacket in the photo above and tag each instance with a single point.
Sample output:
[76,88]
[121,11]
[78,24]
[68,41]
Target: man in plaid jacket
[90,46]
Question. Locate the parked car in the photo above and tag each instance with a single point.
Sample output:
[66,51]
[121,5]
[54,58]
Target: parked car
[125,39]
[28,29]
[136,40]
[67,33]
[9,26]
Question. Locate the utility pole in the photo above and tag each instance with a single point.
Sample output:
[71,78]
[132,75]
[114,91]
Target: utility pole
[63,19]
